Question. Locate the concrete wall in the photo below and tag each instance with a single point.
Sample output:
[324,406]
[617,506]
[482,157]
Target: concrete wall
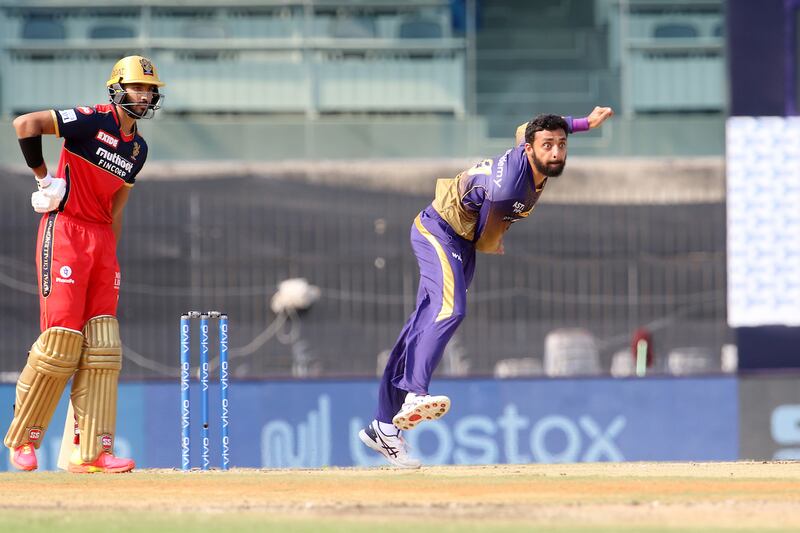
[338,138]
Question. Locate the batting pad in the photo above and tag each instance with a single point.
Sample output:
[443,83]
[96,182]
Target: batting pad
[51,362]
[94,389]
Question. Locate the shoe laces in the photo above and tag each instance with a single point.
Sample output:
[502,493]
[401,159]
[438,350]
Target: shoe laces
[414,402]
[404,446]
[26,449]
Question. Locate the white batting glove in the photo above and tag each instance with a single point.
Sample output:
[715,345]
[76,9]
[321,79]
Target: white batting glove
[51,192]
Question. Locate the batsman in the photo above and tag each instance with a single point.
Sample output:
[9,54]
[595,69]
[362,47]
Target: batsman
[77,268]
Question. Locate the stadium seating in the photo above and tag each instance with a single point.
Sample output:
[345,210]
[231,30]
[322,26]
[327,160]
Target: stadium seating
[264,58]
[518,368]
[420,29]
[43,28]
[571,352]
[112,32]
[690,360]
[675,31]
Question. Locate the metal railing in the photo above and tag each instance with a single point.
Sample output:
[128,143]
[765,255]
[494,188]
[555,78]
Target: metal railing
[227,243]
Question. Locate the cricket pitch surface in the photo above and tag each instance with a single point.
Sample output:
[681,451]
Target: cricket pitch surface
[608,497]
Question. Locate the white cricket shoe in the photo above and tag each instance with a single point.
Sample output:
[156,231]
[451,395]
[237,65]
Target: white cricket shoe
[418,409]
[393,447]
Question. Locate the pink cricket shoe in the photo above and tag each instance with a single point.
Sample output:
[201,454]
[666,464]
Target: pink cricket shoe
[24,458]
[105,463]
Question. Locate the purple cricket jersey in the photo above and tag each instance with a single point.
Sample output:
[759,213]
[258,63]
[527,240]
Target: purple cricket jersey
[481,203]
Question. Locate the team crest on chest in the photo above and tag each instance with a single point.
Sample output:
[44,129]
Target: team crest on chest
[136,150]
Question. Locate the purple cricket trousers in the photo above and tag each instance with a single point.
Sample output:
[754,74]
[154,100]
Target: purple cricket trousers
[446,265]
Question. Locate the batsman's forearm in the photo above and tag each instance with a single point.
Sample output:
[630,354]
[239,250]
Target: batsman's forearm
[40,171]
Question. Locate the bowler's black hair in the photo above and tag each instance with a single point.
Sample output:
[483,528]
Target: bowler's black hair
[545,122]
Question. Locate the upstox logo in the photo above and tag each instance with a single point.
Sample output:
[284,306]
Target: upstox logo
[305,444]
[785,430]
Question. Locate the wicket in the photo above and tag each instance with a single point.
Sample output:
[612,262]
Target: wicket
[186,359]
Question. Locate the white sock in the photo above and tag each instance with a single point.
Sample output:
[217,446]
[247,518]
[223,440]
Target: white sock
[410,397]
[389,430]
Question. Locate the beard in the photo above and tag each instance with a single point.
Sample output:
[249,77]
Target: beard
[551,169]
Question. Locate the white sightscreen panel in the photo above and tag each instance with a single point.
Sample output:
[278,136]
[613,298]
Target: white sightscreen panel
[763,174]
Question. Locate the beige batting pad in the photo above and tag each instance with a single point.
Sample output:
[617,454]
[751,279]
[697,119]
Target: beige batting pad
[51,362]
[94,389]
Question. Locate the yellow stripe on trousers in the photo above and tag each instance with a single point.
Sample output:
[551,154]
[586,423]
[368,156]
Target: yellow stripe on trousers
[448,283]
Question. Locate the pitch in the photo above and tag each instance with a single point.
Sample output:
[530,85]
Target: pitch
[648,497]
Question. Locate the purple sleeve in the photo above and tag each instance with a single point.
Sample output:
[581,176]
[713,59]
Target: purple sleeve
[473,198]
[474,182]
[577,125]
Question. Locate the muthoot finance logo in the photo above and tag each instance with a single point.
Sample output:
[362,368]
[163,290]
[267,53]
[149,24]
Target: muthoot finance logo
[65,275]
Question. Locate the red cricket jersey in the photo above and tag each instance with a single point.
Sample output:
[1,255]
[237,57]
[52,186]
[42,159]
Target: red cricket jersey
[97,159]
[78,271]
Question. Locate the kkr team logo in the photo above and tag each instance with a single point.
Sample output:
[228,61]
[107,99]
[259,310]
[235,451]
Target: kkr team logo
[147,66]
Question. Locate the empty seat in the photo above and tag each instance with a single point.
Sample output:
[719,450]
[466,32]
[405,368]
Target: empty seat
[623,364]
[729,358]
[43,28]
[420,29]
[344,27]
[112,32]
[690,360]
[518,368]
[571,352]
[204,30]
[675,30]
[719,30]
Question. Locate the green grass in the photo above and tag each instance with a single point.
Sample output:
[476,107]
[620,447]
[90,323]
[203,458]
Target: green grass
[596,498]
[35,521]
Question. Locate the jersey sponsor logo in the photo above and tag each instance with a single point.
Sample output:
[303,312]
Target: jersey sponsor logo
[117,280]
[68,115]
[113,163]
[501,166]
[456,256]
[105,137]
[47,255]
[519,212]
[65,275]
[85,110]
